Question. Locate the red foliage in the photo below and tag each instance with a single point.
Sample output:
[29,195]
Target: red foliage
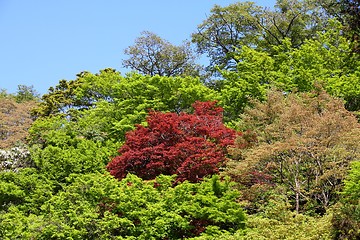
[189,145]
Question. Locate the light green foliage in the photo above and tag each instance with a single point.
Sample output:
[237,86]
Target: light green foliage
[54,130]
[183,211]
[71,213]
[352,183]
[97,206]
[84,156]
[346,219]
[26,190]
[325,60]
[277,221]
[135,95]
[255,72]
[15,224]
[296,226]
[291,172]
[106,105]
[59,149]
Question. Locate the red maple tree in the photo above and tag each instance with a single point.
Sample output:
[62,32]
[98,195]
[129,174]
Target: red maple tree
[189,145]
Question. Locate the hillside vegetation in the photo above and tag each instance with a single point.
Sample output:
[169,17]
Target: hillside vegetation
[264,143]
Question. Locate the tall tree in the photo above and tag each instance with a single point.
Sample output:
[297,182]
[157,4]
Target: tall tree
[226,29]
[70,97]
[152,55]
[26,93]
[325,60]
[230,28]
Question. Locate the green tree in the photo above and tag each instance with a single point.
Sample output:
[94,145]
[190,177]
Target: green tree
[106,105]
[68,98]
[65,154]
[58,148]
[3,93]
[152,55]
[26,93]
[226,29]
[71,97]
[325,60]
[229,28]
[297,20]
[255,72]
[278,221]
[134,96]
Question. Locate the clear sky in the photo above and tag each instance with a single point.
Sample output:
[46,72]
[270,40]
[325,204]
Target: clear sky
[44,41]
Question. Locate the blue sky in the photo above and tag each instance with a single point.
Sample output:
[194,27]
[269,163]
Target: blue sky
[44,41]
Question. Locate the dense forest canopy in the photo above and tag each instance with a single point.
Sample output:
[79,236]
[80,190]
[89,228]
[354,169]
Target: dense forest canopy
[263,143]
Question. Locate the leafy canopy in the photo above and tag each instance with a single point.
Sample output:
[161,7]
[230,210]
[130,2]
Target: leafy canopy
[229,28]
[152,55]
[97,206]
